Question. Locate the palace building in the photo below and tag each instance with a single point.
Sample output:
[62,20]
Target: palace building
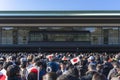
[47,31]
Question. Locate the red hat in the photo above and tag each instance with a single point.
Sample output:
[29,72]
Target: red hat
[34,70]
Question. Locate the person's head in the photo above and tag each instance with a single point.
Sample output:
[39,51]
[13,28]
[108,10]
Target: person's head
[24,64]
[74,72]
[50,76]
[63,65]
[12,59]
[39,64]
[1,65]
[98,76]
[66,77]
[36,59]
[117,57]
[116,64]
[91,67]
[99,67]
[6,64]
[91,59]
[13,71]
[30,58]
[106,58]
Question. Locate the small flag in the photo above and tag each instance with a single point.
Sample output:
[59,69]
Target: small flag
[75,60]
[50,56]
[64,58]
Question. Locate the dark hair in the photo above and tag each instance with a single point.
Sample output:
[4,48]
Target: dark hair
[98,76]
[106,58]
[1,62]
[66,77]
[24,64]
[36,59]
[50,76]
[32,76]
[100,66]
[38,63]
[74,72]
[115,63]
[30,58]
[13,70]
[6,64]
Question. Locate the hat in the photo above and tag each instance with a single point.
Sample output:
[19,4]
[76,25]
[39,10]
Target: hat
[1,59]
[91,58]
[23,59]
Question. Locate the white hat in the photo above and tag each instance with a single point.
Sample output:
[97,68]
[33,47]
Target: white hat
[91,58]
[23,59]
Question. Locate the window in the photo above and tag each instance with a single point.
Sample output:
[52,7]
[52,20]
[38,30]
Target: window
[60,36]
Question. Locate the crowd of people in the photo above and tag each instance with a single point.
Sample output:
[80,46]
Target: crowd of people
[59,66]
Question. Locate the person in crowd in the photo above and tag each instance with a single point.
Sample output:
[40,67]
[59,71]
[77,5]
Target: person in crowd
[116,77]
[98,76]
[98,59]
[110,58]
[5,66]
[107,66]
[1,65]
[63,68]
[66,77]
[73,72]
[33,66]
[114,71]
[50,76]
[13,72]
[37,72]
[91,71]
[117,57]
[91,60]
[99,68]
[24,71]
[52,66]
[30,61]
[12,59]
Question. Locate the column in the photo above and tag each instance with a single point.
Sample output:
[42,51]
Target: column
[15,36]
[0,35]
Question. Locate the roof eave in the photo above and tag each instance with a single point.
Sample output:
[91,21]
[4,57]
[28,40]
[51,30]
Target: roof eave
[59,13]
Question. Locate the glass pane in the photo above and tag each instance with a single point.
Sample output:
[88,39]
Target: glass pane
[7,37]
[60,36]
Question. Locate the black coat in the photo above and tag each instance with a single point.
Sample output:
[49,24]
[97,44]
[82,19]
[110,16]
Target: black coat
[14,78]
[88,75]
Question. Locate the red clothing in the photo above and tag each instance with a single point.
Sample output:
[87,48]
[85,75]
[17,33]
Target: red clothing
[2,76]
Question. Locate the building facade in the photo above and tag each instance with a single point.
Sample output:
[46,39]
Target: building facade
[62,29]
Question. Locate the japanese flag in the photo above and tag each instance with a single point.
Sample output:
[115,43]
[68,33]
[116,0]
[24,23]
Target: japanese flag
[64,58]
[50,56]
[75,60]
[2,76]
